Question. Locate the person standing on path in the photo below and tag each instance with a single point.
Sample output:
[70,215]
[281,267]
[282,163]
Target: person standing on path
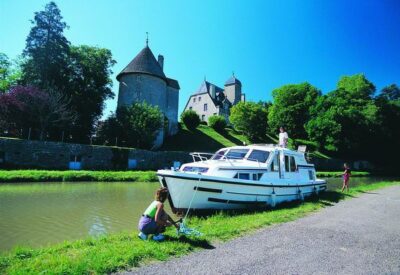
[346,177]
[283,137]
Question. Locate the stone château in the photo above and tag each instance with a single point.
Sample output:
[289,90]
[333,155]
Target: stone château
[210,99]
[144,80]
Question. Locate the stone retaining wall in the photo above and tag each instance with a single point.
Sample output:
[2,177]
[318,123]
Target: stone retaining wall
[16,153]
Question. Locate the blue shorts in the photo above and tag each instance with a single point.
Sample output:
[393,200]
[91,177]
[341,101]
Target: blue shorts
[149,226]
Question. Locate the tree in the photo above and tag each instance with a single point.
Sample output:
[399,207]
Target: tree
[9,73]
[218,123]
[357,85]
[191,119]
[344,120]
[80,73]
[46,51]
[90,86]
[27,107]
[137,125]
[250,118]
[291,108]
[391,92]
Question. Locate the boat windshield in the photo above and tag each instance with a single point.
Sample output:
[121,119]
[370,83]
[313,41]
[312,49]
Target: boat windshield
[219,154]
[236,153]
[258,155]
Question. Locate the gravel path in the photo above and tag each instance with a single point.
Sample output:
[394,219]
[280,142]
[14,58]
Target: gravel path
[356,236]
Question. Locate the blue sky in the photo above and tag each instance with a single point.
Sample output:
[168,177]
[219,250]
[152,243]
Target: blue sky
[266,43]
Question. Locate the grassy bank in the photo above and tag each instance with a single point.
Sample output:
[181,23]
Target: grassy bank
[337,174]
[109,176]
[54,176]
[117,252]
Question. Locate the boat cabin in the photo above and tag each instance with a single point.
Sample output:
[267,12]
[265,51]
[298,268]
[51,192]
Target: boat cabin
[253,162]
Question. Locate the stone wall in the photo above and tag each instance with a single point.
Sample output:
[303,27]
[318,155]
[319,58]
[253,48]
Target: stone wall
[16,153]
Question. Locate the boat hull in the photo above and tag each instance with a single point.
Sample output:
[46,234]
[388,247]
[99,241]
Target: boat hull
[199,192]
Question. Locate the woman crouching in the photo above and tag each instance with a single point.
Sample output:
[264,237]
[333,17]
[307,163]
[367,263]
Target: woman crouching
[154,220]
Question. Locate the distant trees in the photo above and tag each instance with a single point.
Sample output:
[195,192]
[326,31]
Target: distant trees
[218,123]
[10,73]
[191,119]
[250,119]
[136,125]
[291,108]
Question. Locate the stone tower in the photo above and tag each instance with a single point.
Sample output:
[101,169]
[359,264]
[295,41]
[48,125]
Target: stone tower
[233,90]
[144,80]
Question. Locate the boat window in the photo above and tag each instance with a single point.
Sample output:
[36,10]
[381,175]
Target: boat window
[236,153]
[311,174]
[219,154]
[258,155]
[244,176]
[275,164]
[257,176]
[292,164]
[287,163]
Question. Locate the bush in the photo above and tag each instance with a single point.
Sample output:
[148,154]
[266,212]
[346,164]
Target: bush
[191,119]
[203,122]
[218,123]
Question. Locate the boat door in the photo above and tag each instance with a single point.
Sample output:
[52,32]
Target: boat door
[289,166]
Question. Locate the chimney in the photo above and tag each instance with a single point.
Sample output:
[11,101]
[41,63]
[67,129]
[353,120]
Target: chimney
[212,90]
[161,61]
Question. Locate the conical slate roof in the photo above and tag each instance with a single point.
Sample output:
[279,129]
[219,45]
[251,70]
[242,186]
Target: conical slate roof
[144,62]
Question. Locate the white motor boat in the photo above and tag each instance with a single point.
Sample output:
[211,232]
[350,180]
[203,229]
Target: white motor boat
[241,177]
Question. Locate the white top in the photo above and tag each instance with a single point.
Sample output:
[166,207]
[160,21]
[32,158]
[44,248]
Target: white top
[283,138]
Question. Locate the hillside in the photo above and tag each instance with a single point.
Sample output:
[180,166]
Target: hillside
[204,139]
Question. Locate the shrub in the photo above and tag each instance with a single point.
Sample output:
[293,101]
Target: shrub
[218,123]
[203,122]
[191,119]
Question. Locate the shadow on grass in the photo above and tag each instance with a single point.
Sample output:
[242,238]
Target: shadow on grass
[192,242]
[326,198]
[231,138]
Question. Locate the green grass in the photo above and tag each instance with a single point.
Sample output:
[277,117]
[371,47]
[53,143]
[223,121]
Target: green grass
[13,176]
[123,251]
[337,174]
[56,176]
[204,139]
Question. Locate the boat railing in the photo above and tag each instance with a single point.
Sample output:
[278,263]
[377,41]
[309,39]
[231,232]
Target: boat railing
[201,156]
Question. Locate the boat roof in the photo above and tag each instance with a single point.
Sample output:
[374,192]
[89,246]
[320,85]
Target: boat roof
[265,147]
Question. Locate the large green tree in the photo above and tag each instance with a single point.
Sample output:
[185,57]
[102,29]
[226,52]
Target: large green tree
[344,120]
[90,85]
[80,73]
[46,51]
[291,108]
[250,118]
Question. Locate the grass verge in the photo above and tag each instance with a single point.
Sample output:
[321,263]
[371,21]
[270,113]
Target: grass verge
[54,176]
[119,252]
[105,176]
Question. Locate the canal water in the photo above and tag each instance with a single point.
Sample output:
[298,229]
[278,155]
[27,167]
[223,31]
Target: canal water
[37,214]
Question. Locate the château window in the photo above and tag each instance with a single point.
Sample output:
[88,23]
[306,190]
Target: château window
[203,117]
[194,99]
[205,107]
[199,98]
[190,108]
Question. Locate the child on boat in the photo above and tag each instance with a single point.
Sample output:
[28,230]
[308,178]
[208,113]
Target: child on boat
[346,177]
[154,220]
